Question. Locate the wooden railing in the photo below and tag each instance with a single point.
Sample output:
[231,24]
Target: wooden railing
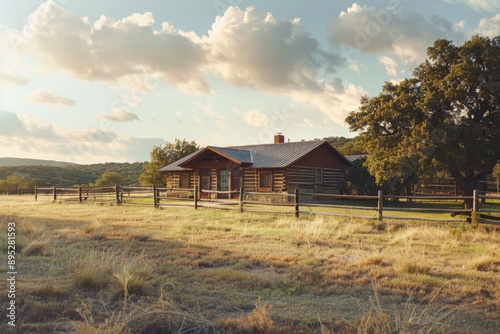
[297,203]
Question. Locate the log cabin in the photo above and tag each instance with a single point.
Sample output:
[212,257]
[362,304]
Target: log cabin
[310,166]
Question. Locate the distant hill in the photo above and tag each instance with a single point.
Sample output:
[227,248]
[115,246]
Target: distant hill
[73,174]
[8,162]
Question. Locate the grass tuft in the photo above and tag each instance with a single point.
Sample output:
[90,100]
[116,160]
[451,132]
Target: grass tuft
[257,322]
[413,268]
[392,317]
[485,263]
[39,247]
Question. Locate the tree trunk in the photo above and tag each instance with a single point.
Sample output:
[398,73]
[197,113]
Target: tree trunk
[466,185]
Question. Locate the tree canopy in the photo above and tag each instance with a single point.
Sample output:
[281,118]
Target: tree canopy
[109,179]
[72,175]
[162,156]
[446,117]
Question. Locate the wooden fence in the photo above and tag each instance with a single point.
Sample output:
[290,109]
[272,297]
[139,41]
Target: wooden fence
[431,208]
[448,187]
[19,191]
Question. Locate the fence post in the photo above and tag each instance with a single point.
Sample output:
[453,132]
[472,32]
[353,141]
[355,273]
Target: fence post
[297,202]
[55,193]
[36,193]
[117,194]
[80,194]
[475,201]
[380,205]
[195,197]
[241,200]
[155,197]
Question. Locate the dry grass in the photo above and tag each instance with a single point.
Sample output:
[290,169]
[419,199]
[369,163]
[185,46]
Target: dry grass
[41,247]
[408,317]
[132,269]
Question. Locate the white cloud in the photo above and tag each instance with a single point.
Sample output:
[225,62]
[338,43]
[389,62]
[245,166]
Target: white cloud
[354,65]
[111,50]
[256,118]
[220,122]
[489,27]
[388,30]
[250,48]
[334,102]
[44,97]
[479,5]
[119,115]
[307,123]
[207,108]
[197,120]
[27,136]
[246,48]
[390,65]
[11,79]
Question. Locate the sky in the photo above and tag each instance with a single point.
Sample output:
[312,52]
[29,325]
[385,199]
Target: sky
[106,81]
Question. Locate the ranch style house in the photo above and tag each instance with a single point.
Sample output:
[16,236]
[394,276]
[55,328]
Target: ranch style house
[311,166]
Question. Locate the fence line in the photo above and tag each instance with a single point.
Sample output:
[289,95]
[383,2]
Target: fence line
[322,204]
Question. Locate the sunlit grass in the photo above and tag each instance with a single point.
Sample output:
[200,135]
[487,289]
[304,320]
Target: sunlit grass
[103,264]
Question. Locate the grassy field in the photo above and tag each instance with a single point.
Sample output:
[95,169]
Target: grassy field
[91,268]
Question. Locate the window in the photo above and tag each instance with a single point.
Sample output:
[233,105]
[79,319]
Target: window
[265,181]
[235,179]
[223,182]
[184,180]
[318,175]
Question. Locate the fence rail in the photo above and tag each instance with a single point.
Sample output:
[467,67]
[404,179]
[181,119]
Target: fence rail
[371,207]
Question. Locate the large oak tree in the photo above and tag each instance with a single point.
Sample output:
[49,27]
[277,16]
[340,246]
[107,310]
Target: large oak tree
[162,156]
[446,117]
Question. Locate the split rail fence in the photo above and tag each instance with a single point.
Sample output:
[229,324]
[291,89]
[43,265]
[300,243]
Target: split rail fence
[430,208]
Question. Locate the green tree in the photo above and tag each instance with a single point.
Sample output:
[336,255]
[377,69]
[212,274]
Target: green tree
[37,182]
[354,146]
[359,181]
[13,183]
[109,179]
[496,171]
[445,118]
[337,142]
[162,156]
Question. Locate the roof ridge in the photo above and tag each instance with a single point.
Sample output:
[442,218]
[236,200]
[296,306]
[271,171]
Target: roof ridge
[271,144]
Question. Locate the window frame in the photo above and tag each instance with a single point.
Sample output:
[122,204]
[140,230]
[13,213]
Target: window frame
[226,181]
[205,179]
[266,188]
[318,180]
[184,178]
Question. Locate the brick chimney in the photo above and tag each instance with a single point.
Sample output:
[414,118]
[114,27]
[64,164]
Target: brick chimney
[279,138]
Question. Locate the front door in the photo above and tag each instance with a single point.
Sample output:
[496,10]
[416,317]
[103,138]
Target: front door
[204,182]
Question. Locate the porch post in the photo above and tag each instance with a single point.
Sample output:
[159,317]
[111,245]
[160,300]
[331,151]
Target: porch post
[297,202]
[241,200]
[195,197]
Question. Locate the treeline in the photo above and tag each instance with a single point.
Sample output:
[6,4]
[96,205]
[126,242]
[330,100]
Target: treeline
[22,177]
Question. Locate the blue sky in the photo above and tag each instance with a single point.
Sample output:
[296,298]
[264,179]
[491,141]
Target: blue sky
[97,81]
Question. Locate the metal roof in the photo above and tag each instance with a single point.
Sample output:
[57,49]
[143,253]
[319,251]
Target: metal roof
[259,156]
[279,155]
[237,155]
[174,167]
